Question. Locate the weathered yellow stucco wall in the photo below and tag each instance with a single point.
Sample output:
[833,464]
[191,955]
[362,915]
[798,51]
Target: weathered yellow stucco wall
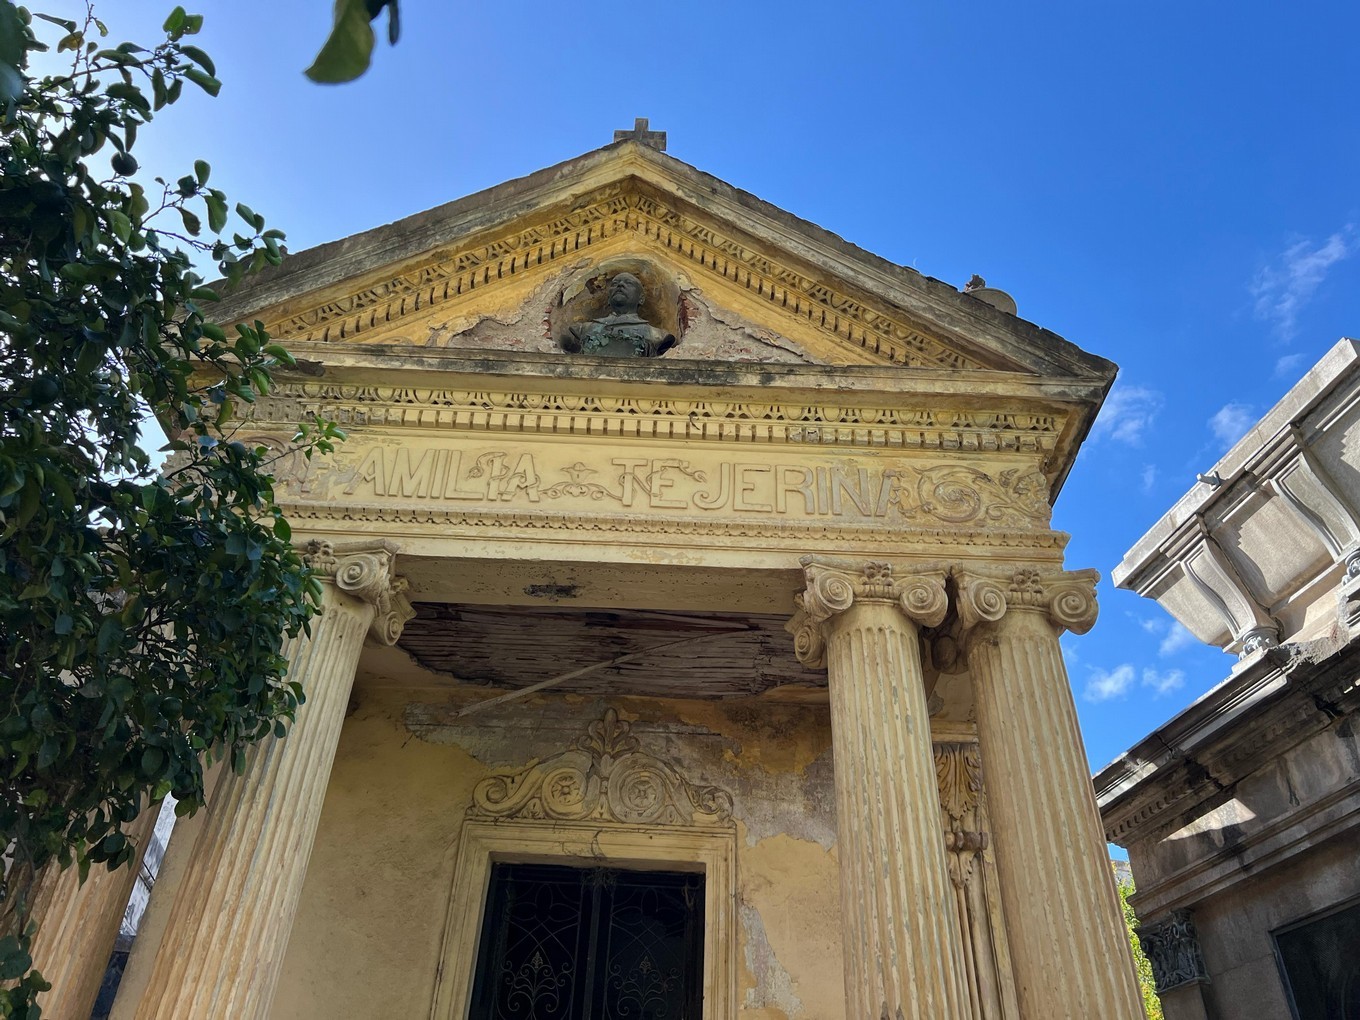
[367,941]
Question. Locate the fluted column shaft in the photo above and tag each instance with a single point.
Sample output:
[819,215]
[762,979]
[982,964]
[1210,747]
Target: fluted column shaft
[227,933]
[1068,947]
[903,957]
[78,925]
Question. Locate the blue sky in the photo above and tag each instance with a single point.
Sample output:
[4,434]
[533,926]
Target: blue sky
[1174,186]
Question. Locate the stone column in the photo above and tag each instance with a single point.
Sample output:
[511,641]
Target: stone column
[78,925]
[1068,947]
[903,954]
[225,939]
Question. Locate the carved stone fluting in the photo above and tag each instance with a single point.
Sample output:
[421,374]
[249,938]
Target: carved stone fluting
[1172,947]
[78,925]
[227,932]
[903,955]
[605,777]
[1069,952]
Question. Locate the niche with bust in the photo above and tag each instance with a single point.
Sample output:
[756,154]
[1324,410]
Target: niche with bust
[623,309]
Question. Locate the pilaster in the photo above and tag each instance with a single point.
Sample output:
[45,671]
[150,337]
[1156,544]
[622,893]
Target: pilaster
[78,925]
[1066,937]
[225,939]
[903,958]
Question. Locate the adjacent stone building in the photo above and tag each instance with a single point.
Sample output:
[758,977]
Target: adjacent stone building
[1242,814]
[690,645]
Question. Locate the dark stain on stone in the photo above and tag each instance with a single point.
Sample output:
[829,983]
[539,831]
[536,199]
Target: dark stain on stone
[552,591]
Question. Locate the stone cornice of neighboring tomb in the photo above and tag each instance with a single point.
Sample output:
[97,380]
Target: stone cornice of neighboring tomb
[1267,707]
[483,229]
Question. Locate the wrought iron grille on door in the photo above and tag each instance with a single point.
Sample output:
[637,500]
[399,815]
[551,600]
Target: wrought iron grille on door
[562,943]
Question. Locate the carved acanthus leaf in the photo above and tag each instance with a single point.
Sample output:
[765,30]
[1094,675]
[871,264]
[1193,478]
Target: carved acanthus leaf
[604,777]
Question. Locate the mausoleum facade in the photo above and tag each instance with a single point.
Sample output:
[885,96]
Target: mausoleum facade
[690,641]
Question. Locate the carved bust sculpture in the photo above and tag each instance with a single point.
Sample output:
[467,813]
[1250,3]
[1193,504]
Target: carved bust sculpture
[622,333]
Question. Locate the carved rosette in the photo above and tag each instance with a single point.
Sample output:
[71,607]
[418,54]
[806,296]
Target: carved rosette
[366,571]
[607,777]
[1172,947]
[1066,598]
[958,771]
[834,586]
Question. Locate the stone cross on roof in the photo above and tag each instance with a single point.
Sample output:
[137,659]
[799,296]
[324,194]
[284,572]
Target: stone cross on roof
[640,133]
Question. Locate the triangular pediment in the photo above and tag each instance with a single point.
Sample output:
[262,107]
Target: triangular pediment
[488,269]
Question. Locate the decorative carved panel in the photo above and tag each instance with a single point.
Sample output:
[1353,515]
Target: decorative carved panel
[606,777]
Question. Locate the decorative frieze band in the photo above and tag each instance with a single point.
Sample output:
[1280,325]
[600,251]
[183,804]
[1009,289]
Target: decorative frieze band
[366,571]
[603,415]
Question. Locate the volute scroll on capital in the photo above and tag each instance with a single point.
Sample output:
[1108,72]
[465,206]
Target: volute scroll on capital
[833,586]
[1066,597]
[366,571]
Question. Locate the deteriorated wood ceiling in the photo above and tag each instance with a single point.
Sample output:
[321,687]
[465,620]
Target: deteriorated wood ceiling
[508,648]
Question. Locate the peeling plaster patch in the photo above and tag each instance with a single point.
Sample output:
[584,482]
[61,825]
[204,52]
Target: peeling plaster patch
[803,807]
[716,334]
[774,986]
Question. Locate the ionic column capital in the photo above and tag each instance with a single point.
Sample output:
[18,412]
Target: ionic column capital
[833,586]
[1067,598]
[365,571]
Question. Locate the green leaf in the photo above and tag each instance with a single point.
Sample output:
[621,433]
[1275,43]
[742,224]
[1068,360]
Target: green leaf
[348,50]
[121,225]
[153,759]
[201,168]
[174,22]
[203,80]
[217,211]
[199,57]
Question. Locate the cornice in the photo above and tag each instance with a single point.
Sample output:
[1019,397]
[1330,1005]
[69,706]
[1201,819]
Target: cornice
[907,424]
[1261,713]
[484,523]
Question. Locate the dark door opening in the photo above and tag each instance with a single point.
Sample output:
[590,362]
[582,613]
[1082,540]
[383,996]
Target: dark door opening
[561,943]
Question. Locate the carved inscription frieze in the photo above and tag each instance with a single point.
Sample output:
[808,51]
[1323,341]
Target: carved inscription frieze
[635,212]
[558,477]
[605,776]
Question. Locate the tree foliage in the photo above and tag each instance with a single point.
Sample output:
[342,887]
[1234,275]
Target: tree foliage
[348,49]
[1151,1004]
[142,612]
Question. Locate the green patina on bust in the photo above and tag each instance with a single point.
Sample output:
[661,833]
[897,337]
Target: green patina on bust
[622,333]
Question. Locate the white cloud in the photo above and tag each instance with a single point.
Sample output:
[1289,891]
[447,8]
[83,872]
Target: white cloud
[1282,288]
[1177,638]
[1106,685]
[1115,684]
[1149,477]
[1288,366]
[1129,411]
[1163,683]
[1231,421]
